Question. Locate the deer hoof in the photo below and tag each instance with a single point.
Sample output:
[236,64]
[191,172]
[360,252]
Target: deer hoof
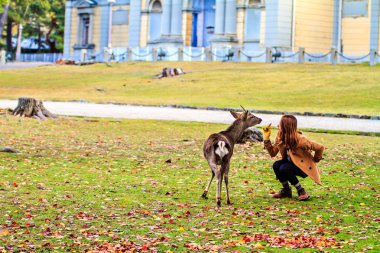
[218,203]
[229,202]
[204,195]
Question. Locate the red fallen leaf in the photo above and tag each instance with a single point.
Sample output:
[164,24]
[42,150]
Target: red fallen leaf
[250,223]
[335,231]
[166,215]
[321,230]
[249,191]
[162,239]
[187,213]
[144,247]
[15,184]
[171,221]
[247,239]
[129,213]
[246,182]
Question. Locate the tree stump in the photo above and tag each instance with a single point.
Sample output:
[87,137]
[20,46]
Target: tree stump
[30,107]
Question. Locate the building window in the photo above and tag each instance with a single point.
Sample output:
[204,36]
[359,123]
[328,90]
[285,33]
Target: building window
[355,8]
[156,6]
[155,21]
[256,3]
[252,23]
[84,29]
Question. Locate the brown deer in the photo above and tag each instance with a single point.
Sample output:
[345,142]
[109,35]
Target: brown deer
[219,147]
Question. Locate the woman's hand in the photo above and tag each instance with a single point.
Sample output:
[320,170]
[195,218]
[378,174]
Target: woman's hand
[266,132]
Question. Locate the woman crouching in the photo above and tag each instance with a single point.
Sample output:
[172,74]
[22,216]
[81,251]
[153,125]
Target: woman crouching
[297,159]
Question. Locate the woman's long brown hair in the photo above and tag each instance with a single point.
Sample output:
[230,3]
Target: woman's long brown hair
[288,132]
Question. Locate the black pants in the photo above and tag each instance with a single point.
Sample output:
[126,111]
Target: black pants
[287,171]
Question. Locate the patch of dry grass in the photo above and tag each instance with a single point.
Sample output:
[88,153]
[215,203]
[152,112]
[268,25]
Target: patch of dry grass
[352,89]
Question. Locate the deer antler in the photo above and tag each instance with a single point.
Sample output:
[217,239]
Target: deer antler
[243,108]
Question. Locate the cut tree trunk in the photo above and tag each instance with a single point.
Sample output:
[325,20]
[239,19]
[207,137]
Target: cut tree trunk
[30,107]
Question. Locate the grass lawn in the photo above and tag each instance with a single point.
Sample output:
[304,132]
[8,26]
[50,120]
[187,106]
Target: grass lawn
[350,89]
[91,184]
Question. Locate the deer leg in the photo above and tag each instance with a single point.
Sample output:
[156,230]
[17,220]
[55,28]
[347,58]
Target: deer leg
[219,180]
[226,182]
[227,168]
[204,195]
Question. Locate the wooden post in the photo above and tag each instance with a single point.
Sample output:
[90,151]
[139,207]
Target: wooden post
[83,55]
[237,54]
[372,57]
[268,55]
[106,55]
[334,56]
[180,54]
[129,54]
[154,54]
[301,55]
[208,54]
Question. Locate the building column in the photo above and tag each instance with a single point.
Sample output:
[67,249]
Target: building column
[374,36]
[91,29]
[166,17]
[176,20]
[240,26]
[230,18]
[104,23]
[337,25]
[68,28]
[220,10]
[135,23]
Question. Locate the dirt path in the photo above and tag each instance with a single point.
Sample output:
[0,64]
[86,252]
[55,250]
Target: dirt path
[23,65]
[165,113]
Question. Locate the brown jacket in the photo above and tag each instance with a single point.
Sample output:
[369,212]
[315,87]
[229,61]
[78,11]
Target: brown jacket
[301,156]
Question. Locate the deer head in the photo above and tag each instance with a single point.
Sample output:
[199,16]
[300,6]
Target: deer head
[248,118]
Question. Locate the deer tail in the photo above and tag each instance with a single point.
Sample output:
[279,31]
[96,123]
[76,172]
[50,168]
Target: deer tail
[221,150]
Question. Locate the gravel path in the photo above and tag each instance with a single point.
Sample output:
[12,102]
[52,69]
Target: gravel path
[23,65]
[165,113]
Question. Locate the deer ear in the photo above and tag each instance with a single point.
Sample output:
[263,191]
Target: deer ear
[235,114]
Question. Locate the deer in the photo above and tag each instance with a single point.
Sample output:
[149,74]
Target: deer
[219,147]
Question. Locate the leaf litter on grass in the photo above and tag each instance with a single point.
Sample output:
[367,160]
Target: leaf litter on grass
[107,187]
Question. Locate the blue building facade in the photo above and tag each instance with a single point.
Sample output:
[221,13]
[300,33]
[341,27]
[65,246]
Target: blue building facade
[350,26]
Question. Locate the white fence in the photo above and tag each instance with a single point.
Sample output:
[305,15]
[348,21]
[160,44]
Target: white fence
[40,57]
[268,55]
